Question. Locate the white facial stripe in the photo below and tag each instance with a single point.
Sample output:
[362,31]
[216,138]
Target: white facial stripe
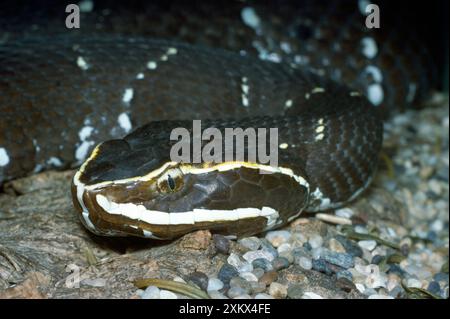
[188,169]
[153,217]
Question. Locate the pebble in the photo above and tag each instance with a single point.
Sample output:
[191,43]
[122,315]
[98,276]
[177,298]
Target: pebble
[248,276]
[377,296]
[240,265]
[311,295]
[397,292]
[250,256]
[262,263]
[295,291]
[377,259]
[267,247]
[316,252]
[434,288]
[166,294]
[221,243]
[322,266]
[257,287]
[268,278]
[241,283]
[307,246]
[284,248]
[258,272]
[304,262]
[361,288]
[350,246]
[214,284]
[367,244]
[315,241]
[345,284]
[234,292]
[343,260]
[214,294]
[413,283]
[344,274]
[263,296]
[227,272]
[344,212]
[251,243]
[200,279]
[278,290]
[336,246]
[243,296]
[280,263]
[441,277]
[151,292]
[278,237]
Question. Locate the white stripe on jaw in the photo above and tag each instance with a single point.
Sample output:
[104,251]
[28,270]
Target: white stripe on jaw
[140,213]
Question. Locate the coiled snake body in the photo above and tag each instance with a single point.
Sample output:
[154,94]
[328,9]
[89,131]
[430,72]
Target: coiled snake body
[63,91]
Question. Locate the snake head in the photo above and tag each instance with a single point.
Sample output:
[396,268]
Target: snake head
[168,199]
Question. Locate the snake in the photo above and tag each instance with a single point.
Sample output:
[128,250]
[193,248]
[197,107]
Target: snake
[110,102]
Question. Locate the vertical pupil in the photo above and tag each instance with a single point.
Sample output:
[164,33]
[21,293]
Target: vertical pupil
[170,182]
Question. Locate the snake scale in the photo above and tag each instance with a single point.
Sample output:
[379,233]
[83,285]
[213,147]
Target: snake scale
[60,95]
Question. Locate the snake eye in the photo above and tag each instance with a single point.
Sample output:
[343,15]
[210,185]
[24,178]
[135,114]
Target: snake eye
[169,183]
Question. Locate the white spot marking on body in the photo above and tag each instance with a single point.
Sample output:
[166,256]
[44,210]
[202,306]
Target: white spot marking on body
[140,76]
[172,51]
[82,150]
[164,57]
[54,161]
[284,146]
[317,90]
[85,132]
[127,95]
[411,92]
[245,90]
[4,158]
[355,93]
[307,96]
[375,94]
[320,137]
[286,47]
[375,73]
[86,5]
[320,129]
[151,65]
[288,104]
[82,64]
[369,47]
[38,168]
[324,201]
[38,148]
[250,18]
[124,122]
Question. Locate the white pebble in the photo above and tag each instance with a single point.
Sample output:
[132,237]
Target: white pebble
[378,296]
[284,248]
[166,294]
[316,241]
[252,255]
[151,292]
[305,263]
[311,295]
[4,158]
[367,244]
[214,294]
[263,296]
[278,237]
[248,276]
[214,284]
